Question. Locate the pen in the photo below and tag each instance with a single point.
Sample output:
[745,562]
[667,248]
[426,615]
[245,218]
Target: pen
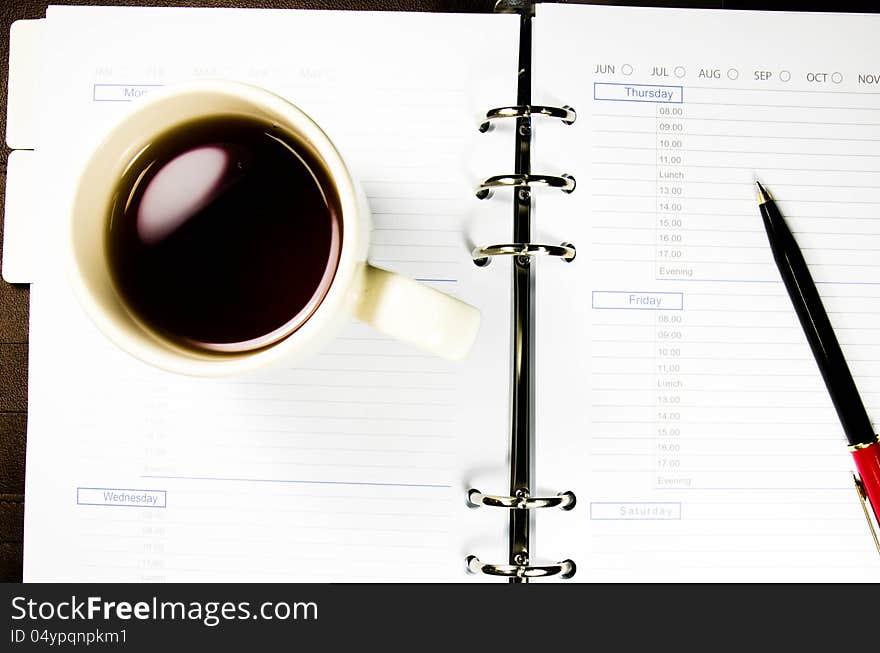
[864,444]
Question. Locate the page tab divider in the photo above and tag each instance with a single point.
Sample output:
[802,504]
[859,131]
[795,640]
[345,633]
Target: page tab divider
[19,262]
[25,61]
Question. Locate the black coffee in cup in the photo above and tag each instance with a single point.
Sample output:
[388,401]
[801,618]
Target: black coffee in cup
[224,234]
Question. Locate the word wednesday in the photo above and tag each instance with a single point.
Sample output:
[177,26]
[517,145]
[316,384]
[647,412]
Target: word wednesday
[115,496]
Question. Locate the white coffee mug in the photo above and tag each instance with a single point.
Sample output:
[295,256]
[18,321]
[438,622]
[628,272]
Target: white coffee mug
[393,304]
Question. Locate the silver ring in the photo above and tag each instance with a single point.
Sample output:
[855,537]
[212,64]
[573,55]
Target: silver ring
[521,500]
[564,569]
[566,183]
[483,255]
[566,114]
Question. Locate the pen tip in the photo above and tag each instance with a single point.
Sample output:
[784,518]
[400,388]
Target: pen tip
[763,194]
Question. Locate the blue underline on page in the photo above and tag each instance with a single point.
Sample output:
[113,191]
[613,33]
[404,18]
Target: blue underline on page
[285,480]
[779,281]
[438,280]
[751,489]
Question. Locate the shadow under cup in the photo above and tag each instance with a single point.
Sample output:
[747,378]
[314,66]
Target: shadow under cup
[224,234]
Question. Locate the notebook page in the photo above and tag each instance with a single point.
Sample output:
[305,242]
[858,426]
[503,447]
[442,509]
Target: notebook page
[697,433]
[351,465]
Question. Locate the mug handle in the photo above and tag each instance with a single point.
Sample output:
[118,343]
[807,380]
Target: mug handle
[416,314]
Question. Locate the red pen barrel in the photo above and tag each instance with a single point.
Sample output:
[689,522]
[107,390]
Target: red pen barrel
[868,465]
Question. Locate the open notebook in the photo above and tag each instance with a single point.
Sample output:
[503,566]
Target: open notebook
[674,393]
[352,465]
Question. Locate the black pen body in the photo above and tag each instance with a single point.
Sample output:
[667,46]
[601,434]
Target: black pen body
[817,328]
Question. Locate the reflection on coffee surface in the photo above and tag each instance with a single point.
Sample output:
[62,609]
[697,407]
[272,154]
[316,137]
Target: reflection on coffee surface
[224,234]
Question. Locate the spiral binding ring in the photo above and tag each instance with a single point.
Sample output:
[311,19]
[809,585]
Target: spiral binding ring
[514,7]
[566,183]
[566,114]
[482,256]
[521,500]
[564,569]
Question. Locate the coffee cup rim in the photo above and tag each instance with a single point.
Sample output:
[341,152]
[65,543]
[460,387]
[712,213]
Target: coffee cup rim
[94,186]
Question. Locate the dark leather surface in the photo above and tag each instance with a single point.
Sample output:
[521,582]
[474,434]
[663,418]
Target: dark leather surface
[14,299]
[13,402]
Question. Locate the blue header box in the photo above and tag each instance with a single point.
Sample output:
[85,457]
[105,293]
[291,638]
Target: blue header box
[656,93]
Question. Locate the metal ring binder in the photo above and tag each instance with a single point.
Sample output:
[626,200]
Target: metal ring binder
[566,114]
[483,255]
[566,183]
[521,500]
[564,569]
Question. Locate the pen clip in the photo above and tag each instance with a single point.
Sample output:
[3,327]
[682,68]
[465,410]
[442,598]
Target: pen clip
[866,508]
